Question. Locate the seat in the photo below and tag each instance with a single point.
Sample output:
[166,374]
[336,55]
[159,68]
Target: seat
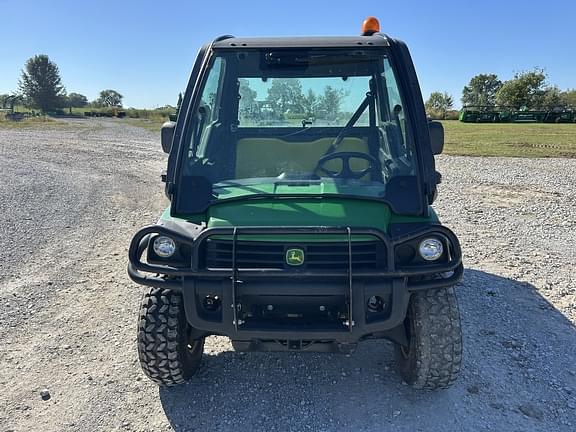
[270,157]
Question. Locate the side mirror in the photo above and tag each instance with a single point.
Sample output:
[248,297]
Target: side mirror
[436,137]
[166,135]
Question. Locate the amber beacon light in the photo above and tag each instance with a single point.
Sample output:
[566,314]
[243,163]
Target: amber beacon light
[370,26]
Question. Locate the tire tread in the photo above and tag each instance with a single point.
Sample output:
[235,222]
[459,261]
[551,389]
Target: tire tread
[437,345]
[162,341]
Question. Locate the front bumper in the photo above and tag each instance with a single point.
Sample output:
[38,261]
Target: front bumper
[345,288]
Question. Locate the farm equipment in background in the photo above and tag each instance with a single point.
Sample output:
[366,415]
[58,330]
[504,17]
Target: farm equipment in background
[114,112]
[492,114]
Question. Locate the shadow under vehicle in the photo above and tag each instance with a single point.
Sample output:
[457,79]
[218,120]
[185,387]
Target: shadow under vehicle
[515,358]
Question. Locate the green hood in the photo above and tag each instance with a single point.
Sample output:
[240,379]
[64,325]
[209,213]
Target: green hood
[286,210]
[300,212]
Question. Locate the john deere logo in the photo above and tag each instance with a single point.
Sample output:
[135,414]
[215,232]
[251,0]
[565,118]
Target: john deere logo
[294,257]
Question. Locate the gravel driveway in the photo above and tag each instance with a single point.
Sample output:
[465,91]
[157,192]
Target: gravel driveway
[73,195]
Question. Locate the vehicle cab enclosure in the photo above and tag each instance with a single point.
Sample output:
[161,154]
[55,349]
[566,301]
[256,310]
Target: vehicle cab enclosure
[300,174]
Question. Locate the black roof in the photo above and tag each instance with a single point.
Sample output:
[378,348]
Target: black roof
[377,40]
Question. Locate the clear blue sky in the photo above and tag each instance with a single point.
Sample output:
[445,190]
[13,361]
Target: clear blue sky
[145,49]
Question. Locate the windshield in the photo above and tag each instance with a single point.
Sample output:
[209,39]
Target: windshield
[301,122]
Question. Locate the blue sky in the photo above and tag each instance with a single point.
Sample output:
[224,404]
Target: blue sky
[145,49]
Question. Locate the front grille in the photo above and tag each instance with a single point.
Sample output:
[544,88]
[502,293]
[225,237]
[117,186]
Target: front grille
[270,255]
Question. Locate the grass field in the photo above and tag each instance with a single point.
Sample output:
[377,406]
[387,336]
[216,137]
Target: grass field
[487,139]
[471,139]
[29,122]
[510,139]
[152,125]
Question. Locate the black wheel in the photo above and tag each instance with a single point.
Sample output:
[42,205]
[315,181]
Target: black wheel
[167,355]
[433,356]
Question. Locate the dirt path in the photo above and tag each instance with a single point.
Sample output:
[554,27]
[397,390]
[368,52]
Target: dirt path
[73,196]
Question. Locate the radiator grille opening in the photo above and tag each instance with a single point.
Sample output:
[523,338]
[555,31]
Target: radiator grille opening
[366,255]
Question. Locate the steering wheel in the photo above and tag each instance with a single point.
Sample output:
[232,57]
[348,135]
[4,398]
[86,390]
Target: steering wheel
[346,171]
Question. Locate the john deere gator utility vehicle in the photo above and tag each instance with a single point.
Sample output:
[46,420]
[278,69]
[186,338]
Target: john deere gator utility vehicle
[301,177]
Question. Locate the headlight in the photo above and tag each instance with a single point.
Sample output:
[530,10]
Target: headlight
[431,249]
[164,246]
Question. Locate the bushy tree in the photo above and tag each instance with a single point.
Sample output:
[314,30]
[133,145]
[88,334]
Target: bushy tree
[481,90]
[247,94]
[310,103]
[569,98]
[41,85]
[525,91]
[439,104]
[9,101]
[4,100]
[76,100]
[329,103]
[552,98]
[109,98]
[285,95]
[249,108]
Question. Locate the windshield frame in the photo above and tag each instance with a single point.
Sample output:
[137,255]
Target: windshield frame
[408,107]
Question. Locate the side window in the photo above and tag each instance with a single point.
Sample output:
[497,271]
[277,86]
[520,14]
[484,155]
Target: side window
[395,106]
[396,117]
[209,108]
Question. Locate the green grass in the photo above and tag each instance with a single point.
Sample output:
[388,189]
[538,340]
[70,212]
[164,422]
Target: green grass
[482,139]
[510,139]
[148,119]
[30,122]
[471,139]
[153,125]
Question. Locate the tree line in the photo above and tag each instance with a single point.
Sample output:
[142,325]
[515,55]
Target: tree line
[526,91]
[286,99]
[40,87]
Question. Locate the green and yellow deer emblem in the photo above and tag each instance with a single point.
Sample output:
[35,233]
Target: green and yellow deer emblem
[294,257]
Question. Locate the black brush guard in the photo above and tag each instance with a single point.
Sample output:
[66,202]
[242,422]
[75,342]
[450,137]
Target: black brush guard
[355,284]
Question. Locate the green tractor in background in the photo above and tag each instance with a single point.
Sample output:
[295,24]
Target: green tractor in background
[492,114]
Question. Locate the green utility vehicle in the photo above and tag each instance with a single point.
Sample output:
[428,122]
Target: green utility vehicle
[301,176]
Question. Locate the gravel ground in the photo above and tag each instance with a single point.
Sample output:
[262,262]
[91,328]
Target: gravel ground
[72,197]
